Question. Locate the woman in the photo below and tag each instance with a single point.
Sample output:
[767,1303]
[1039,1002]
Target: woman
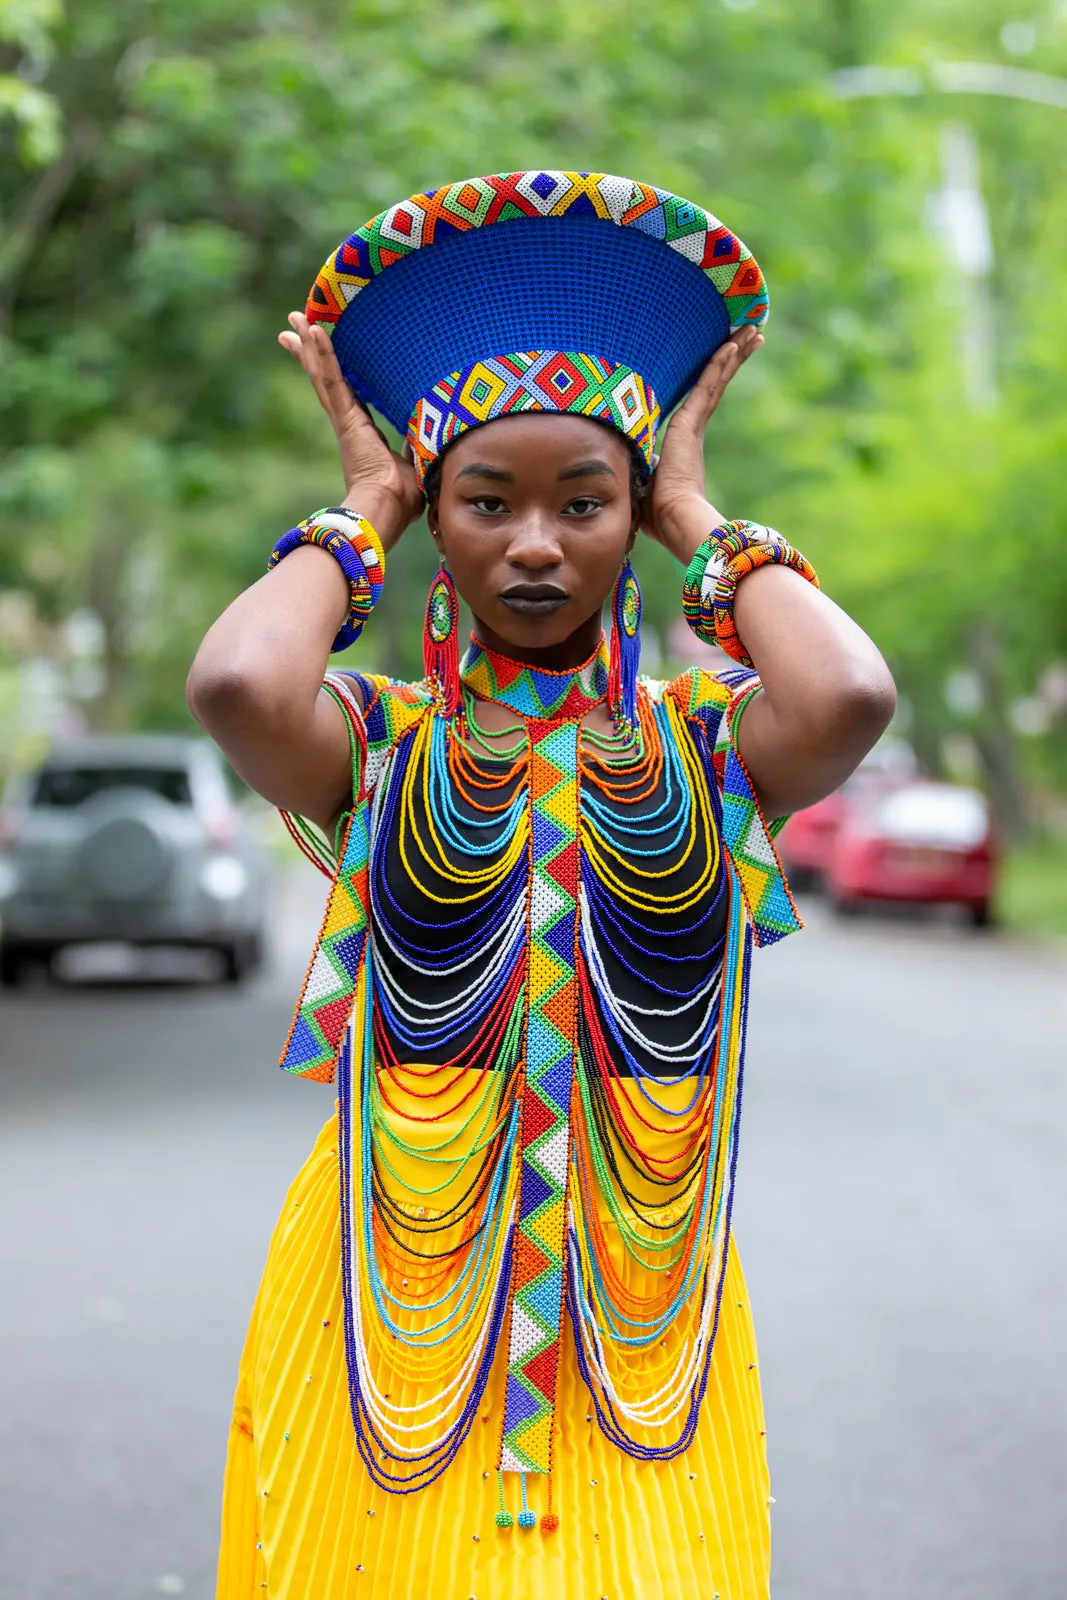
[531,980]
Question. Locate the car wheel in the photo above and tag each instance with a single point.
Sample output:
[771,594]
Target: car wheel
[844,906]
[12,964]
[241,957]
[981,915]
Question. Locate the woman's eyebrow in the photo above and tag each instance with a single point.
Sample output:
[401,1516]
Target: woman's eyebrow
[478,469]
[586,469]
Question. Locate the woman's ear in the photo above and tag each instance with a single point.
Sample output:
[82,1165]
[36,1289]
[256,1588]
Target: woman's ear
[434,525]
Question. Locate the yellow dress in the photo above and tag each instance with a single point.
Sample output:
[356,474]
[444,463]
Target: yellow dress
[303,1521]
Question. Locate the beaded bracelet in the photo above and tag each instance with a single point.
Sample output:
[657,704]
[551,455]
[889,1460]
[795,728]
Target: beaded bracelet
[728,554]
[357,549]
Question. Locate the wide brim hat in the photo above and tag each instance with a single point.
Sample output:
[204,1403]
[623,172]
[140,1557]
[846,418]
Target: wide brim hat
[534,291]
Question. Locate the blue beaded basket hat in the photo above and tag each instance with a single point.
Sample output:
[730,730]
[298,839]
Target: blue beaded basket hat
[543,291]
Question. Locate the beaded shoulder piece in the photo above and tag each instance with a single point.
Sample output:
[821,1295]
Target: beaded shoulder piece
[389,711]
[715,701]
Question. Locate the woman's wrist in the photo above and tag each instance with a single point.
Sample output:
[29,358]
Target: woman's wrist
[380,508]
[685,524]
[730,552]
[354,544]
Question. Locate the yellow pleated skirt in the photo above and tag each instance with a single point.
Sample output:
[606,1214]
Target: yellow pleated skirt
[302,1520]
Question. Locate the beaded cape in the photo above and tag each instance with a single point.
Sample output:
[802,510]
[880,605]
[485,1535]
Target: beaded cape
[531,981]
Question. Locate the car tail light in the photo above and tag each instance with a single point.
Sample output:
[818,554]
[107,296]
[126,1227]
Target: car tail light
[10,827]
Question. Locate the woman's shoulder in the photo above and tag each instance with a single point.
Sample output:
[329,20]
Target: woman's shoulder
[390,707]
[698,692]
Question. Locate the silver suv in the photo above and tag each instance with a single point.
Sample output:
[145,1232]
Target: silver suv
[133,839]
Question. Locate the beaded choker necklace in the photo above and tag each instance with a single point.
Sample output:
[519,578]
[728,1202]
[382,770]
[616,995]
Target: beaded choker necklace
[533,691]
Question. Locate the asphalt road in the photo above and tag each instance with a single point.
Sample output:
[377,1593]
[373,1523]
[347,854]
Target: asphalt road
[902,1215]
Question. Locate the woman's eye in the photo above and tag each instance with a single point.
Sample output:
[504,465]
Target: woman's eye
[489,504]
[582,506]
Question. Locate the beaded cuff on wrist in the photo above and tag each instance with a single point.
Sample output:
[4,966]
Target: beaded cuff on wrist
[356,548]
[728,554]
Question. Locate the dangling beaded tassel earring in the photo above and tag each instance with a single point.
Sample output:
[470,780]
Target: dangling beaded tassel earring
[625,654]
[440,643]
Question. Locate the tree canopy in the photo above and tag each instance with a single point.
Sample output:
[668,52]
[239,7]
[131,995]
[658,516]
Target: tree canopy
[173,176]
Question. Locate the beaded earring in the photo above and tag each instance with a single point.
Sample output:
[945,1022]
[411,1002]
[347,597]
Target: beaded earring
[625,654]
[440,643]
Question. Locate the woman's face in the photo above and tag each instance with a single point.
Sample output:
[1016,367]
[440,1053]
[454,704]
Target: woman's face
[535,519]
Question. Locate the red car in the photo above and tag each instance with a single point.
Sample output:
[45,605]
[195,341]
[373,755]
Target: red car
[807,840]
[924,843]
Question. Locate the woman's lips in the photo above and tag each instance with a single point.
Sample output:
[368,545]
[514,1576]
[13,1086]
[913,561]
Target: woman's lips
[534,599]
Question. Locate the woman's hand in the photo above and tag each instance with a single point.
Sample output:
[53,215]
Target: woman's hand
[676,510]
[379,483]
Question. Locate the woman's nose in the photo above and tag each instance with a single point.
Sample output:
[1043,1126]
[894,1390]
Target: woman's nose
[535,544]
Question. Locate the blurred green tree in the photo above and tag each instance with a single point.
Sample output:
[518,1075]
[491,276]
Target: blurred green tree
[172,176]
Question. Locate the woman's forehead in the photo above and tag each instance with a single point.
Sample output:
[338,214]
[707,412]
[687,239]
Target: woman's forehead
[538,439]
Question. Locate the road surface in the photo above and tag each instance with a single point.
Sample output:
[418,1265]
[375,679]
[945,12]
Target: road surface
[902,1212]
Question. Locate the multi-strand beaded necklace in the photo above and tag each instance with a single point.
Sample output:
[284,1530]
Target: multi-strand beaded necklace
[535,963]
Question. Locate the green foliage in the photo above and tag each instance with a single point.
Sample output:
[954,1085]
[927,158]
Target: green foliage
[1033,893]
[171,176]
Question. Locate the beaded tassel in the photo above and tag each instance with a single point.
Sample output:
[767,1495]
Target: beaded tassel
[625,651]
[550,1522]
[504,1519]
[440,643]
[526,1516]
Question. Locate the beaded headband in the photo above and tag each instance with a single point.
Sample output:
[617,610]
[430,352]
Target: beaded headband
[607,301]
[533,380]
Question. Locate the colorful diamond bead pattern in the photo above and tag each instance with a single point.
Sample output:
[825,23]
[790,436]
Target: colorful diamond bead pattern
[715,700]
[328,996]
[414,224]
[535,693]
[326,1001]
[533,380]
[551,1041]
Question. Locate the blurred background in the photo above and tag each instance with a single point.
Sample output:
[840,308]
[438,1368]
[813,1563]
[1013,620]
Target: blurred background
[171,177]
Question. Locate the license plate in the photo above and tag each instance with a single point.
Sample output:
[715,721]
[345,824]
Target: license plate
[927,863]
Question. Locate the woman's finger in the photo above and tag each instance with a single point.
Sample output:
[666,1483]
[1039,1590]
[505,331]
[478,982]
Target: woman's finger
[340,395]
[319,360]
[705,394]
[710,387]
[309,357]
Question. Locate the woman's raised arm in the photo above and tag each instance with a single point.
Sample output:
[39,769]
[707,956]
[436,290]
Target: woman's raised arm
[827,693]
[256,682]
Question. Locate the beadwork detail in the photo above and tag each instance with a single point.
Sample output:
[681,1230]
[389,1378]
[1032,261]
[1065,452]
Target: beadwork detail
[727,555]
[533,380]
[354,544]
[625,650]
[479,1032]
[415,224]
[551,1042]
[440,646]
